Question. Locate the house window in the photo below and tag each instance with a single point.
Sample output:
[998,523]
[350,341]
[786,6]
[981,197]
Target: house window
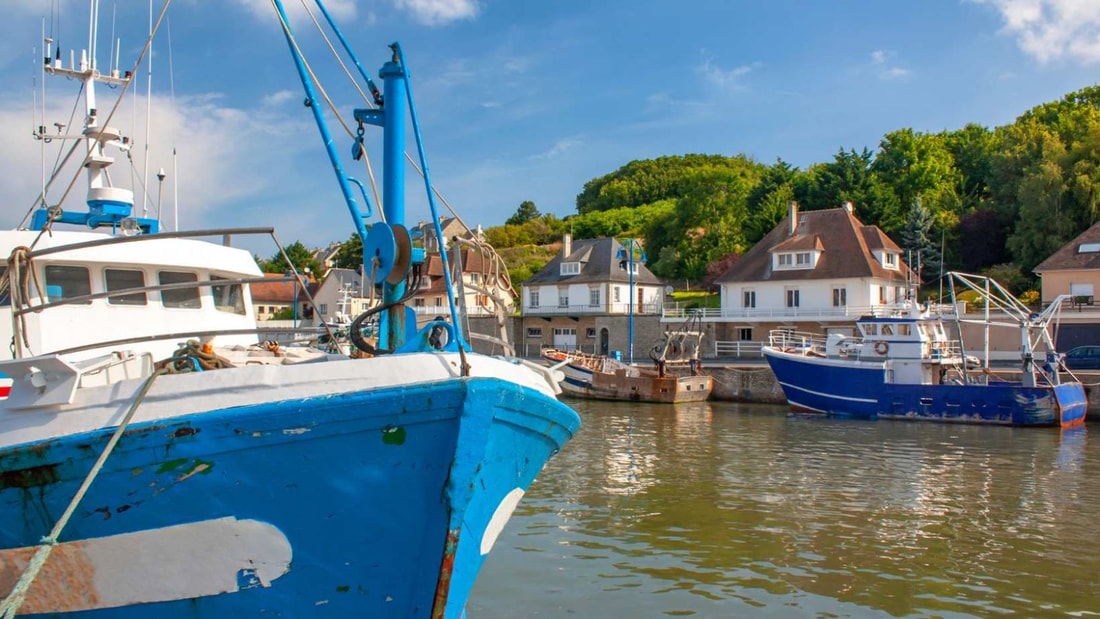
[618,294]
[534,332]
[792,297]
[533,297]
[802,258]
[180,297]
[563,299]
[259,310]
[594,297]
[65,282]
[418,302]
[439,301]
[483,300]
[590,333]
[322,308]
[744,334]
[784,260]
[119,279]
[882,294]
[891,260]
[1088,248]
[473,278]
[840,297]
[570,268]
[748,298]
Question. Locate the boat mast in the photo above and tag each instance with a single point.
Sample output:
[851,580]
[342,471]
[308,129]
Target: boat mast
[107,205]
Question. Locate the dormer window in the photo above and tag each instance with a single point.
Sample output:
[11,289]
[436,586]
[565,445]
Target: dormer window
[570,268]
[796,260]
[890,260]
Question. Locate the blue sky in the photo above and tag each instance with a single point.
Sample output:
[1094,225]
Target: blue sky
[525,100]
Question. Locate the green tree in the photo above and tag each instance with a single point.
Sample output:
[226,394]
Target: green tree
[525,213]
[299,256]
[350,255]
[922,251]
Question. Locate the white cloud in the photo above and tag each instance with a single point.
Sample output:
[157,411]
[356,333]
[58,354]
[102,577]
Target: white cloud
[1049,30]
[880,59]
[559,148]
[725,78]
[439,12]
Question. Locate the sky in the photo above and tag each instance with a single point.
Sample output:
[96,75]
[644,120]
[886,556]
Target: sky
[518,99]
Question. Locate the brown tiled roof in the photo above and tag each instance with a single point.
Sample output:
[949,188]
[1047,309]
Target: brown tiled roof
[277,291]
[599,260]
[845,244]
[1069,257]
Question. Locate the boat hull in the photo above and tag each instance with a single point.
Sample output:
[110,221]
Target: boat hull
[860,390]
[593,384]
[381,502]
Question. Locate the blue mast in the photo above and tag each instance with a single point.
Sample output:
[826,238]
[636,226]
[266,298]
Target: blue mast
[393,187]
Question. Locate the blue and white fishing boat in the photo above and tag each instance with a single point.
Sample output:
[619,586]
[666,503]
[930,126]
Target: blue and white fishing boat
[903,365]
[157,461]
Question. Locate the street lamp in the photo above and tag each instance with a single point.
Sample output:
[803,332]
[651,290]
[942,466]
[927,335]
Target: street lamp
[626,260]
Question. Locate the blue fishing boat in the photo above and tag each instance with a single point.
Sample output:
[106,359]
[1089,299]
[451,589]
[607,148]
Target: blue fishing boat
[903,365]
[159,459]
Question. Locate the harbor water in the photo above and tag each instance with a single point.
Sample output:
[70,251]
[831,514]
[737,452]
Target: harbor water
[722,509]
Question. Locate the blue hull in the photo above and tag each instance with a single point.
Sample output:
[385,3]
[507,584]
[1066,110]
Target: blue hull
[846,390]
[384,496]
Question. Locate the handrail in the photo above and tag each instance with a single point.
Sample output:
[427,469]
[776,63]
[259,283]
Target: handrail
[149,237]
[185,335]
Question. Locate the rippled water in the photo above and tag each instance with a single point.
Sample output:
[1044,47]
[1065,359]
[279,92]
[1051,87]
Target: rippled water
[720,509]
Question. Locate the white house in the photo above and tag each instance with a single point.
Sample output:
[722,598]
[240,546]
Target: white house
[817,270]
[568,302]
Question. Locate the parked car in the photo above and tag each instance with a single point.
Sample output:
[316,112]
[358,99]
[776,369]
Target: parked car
[1083,358]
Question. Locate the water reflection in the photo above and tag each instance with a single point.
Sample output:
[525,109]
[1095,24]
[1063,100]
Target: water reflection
[719,509]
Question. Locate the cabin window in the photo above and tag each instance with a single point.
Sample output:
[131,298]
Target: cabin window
[871,329]
[5,290]
[187,298]
[228,297]
[887,329]
[905,329]
[121,279]
[65,282]
[748,298]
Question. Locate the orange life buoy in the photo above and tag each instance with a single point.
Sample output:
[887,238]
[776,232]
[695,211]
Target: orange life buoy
[882,347]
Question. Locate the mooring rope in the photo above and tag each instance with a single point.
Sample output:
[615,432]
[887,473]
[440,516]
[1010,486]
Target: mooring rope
[12,603]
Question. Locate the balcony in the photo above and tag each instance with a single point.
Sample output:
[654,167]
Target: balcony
[617,309]
[788,314]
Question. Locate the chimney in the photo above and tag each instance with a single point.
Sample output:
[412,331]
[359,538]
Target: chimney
[792,217]
[566,245]
[848,206]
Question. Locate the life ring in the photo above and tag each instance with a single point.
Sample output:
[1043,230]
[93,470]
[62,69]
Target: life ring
[882,347]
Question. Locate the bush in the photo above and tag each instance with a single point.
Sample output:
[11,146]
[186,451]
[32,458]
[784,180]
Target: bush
[1030,298]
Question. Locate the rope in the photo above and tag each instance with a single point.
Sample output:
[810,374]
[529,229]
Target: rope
[14,601]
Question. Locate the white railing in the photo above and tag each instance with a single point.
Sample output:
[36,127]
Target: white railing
[850,312]
[643,309]
[737,348]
